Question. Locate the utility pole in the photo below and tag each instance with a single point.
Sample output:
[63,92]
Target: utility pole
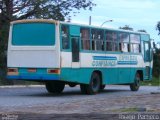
[90,20]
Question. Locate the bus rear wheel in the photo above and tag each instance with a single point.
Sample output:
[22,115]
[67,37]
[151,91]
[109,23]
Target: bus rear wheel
[135,86]
[94,85]
[55,86]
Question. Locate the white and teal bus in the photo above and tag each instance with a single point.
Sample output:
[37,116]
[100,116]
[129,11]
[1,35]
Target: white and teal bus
[59,53]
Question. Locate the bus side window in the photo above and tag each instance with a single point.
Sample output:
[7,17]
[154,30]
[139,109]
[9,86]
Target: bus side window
[135,43]
[65,37]
[97,39]
[124,42]
[93,37]
[85,38]
[100,40]
[111,41]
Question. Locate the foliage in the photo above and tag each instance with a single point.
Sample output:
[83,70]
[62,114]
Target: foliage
[11,10]
[158,27]
[142,31]
[126,27]
[156,63]
[154,82]
[46,9]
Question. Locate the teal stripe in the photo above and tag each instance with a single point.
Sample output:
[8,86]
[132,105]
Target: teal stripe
[104,58]
[127,62]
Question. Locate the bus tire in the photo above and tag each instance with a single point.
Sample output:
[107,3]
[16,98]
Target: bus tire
[135,86]
[94,85]
[55,86]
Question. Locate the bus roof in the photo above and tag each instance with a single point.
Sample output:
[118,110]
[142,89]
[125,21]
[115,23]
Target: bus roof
[106,28]
[68,23]
[34,20]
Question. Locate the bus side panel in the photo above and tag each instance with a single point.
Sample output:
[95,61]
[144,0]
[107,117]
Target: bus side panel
[76,75]
[110,75]
[83,75]
[124,74]
[114,69]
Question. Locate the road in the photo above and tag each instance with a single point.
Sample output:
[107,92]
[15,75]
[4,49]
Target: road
[36,100]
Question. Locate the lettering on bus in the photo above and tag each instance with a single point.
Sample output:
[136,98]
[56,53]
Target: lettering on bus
[110,61]
[127,58]
[102,63]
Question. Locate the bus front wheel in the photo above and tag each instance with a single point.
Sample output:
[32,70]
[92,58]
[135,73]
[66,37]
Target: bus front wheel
[55,86]
[135,86]
[94,85]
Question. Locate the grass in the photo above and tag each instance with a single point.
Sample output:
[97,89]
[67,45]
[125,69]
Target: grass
[154,82]
[130,110]
[125,110]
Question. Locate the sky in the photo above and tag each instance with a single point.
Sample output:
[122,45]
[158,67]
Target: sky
[138,14]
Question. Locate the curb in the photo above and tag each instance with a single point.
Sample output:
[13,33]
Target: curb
[156,92]
[21,86]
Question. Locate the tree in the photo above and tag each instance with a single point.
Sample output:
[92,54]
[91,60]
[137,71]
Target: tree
[156,57]
[11,10]
[142,31]
[48,9]
[158,27]
[126,27]
[156,62]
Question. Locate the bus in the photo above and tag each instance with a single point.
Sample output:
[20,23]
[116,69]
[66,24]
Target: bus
[59,53]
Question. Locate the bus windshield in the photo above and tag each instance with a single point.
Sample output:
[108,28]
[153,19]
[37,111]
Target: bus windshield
[33,34]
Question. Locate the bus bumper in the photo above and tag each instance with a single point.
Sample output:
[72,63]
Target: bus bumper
[33,74]
[33,77]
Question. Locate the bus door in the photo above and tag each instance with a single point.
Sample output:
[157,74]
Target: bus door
[147,59]
[75,52]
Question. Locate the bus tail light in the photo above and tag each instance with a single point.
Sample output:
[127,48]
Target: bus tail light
[53,71]
[12,71]
[32,70]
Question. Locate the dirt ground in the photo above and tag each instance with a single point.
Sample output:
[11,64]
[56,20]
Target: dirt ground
[71,105]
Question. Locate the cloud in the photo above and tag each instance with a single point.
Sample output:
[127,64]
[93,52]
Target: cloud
[126,4]
[139,14]
[80,22]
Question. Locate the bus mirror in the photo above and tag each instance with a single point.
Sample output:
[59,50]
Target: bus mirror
[153,45]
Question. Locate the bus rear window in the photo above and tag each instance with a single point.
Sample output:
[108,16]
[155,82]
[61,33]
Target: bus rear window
[33,34]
